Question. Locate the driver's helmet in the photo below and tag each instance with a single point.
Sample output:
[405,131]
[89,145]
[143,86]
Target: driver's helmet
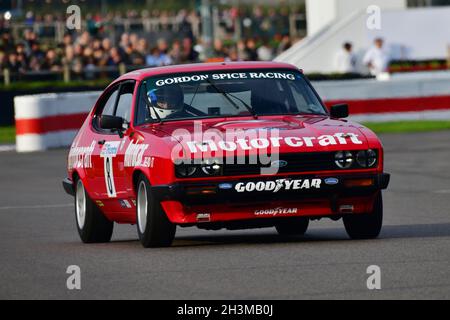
[166,100]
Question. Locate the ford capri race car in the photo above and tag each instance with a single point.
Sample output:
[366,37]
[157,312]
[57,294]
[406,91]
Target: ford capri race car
[222,145]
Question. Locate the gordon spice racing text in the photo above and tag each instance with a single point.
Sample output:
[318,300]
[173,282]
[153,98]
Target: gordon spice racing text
[228,145]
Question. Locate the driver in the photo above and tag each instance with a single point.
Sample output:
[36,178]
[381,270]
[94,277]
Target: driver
[168,102]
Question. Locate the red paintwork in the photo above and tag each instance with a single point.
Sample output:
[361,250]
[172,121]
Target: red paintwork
[158,137]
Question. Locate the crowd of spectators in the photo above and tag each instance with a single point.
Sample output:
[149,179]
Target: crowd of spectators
[264,34]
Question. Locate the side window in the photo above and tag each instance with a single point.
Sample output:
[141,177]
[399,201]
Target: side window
[125,99]
[106,106]
[142,114]
[108,109]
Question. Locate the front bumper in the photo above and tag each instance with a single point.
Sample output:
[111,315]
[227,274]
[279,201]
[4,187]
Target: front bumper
[215,193]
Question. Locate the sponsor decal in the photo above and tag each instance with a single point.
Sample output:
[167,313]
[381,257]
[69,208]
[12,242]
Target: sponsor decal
[276,211]
[273,142]
[99,203]
[81,157]
[110,149]
[124,203]
[331,181]
[225,76]
[108,152]
[203,217]
[277,185]
[134,156]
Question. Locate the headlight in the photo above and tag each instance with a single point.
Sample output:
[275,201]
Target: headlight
[343,159]
[211,167]
[366,158]
[185,170]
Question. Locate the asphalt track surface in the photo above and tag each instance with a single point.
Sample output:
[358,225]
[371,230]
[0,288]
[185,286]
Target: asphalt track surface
[38,241]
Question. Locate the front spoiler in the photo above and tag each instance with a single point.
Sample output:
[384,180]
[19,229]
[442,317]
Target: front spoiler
[179,191]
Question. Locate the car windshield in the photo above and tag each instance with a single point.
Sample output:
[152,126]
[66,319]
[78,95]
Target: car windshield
[226,94]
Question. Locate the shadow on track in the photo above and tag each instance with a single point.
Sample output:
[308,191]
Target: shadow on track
[314,235]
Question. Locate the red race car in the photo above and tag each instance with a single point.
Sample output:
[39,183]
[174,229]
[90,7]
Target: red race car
[222,145]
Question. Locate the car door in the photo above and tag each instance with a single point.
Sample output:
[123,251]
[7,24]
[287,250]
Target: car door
[108,156]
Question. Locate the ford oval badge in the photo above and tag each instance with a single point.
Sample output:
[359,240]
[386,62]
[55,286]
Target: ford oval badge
[278,164]
[331,181]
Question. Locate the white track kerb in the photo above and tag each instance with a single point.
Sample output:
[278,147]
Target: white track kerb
[52,120]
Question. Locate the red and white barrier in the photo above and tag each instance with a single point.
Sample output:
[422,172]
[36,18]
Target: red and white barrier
[50,120]
[417,96]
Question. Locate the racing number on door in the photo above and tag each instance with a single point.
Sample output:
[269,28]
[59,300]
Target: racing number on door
[109,151]
[109,177]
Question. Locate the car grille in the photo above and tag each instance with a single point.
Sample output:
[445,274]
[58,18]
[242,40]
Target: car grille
[295,162]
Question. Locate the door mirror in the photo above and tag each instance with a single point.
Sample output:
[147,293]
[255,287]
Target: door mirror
[339,111]
[111,122]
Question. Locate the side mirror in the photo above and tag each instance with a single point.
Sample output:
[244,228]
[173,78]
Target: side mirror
[111,122]
[339,111]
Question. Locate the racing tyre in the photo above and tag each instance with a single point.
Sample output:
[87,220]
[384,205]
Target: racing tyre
[368,225]
[292,227]
[153,226]
[92,225]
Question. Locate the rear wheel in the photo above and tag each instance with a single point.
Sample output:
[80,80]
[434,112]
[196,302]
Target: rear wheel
[153,226]
[292,226]
[92,225]
[367,225]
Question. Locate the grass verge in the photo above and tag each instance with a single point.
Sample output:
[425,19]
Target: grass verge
[8,135]
[408,126]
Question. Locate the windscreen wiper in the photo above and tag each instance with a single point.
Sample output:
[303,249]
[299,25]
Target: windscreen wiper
[228,95]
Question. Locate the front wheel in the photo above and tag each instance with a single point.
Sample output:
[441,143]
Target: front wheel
[153,226]
[92,225]
[292,226]
[367,225]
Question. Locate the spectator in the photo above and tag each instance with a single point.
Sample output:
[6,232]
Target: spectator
[188,53]
[175,53]
[250,50]
[158,58]
[345,61]
[377,58]
[285,44]
[265,52]
[95,47]
[51,61]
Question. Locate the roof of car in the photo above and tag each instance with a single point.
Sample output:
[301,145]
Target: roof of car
[196,67]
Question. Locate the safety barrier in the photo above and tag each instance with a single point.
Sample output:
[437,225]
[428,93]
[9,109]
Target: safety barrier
[46,121]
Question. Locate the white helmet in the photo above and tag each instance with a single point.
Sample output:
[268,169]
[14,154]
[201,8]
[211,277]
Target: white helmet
[166,100]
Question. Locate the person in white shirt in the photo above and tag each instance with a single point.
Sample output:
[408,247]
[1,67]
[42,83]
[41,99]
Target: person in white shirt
[345,61]
[377,58]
